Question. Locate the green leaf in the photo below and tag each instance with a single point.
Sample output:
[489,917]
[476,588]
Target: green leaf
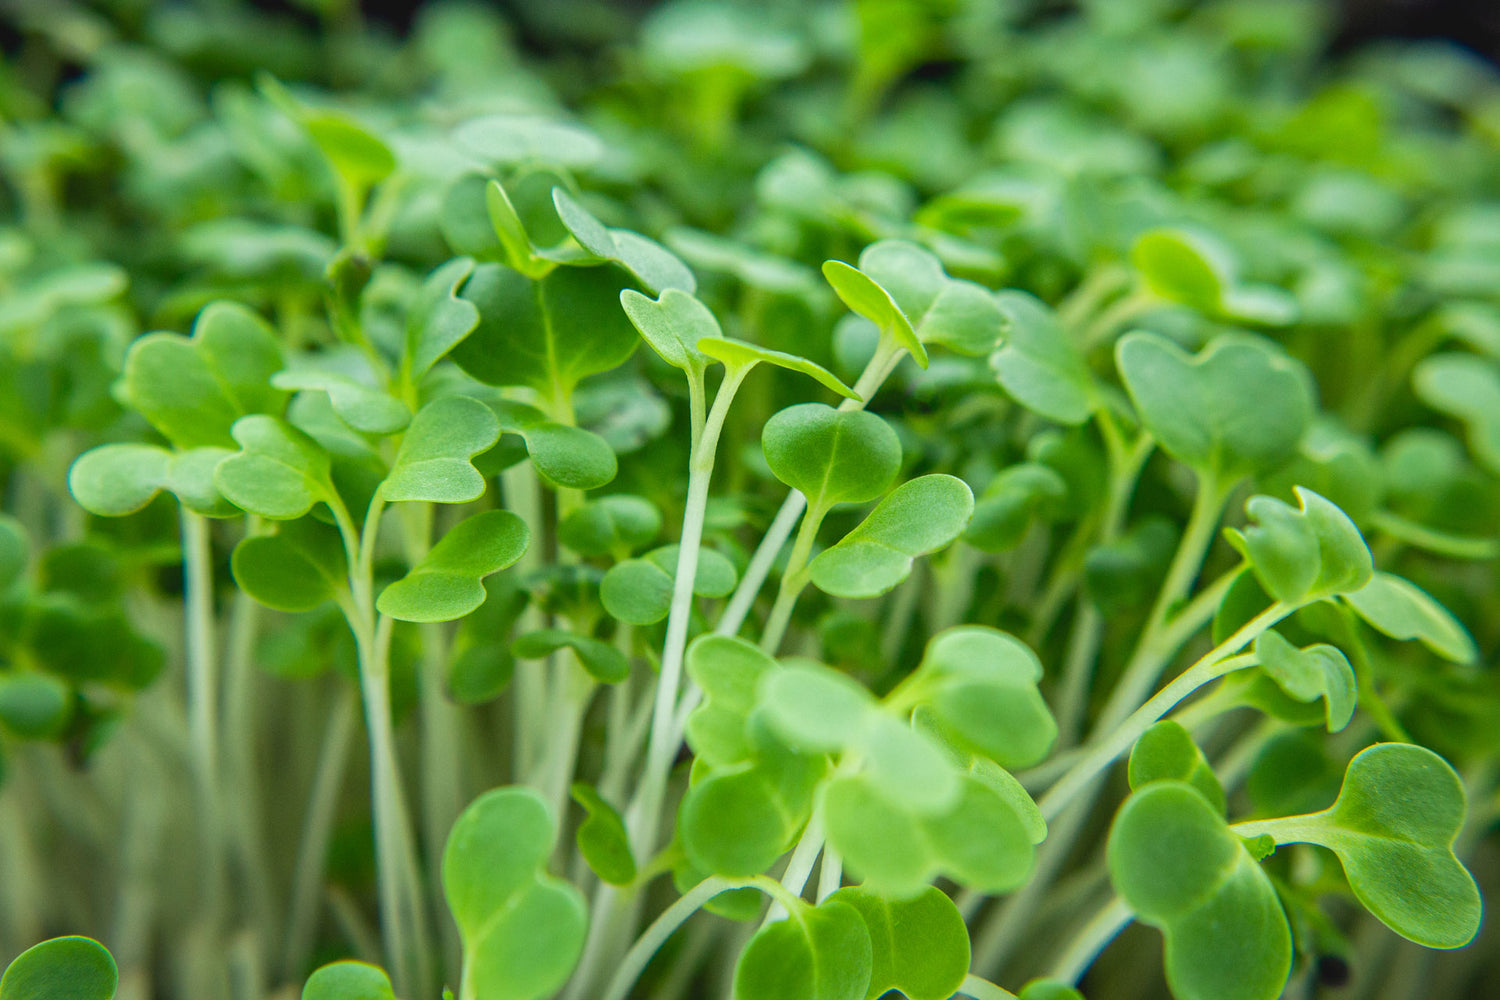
[920,946]
[831,456]
[1195,270]
[1037,364]
[613,525]
[1180,869]
[1166,752]
[65,968]
[983,692]
[359,158]
[1237,409]
[438,319]
[880,841]
[118,479]
[817,953]
[744,355]
[639,591]
[1311,673]
[1305,553]
[863,295]
[1393,827]
[192,390]
[434,462]
[1466,387]
[602,838]
[522,929]
[656,266]
[1293,774]
[279,472]
[918,517]
[348,980]
[730,672]
[448,582]
[672,325]
[1402,610]
[1048,989]
[296,569]
[516,139]
[564,456]
[737,820]
[907,768]
[604,662]
[546,334]
[13,549]
[814,708]
[362,407]
[960,315]
[34,706]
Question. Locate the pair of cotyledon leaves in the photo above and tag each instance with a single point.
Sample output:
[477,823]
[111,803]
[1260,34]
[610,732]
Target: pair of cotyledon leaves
[921,802]
[1181,868]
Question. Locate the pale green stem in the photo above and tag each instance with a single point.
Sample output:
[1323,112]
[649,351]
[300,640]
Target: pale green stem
[522,491]
[899,611]
[793,582]
[664,926]
[831,874]
[1091,940]
[1107,323]
[983,989]
[317,833]
[799,866]
[243,776]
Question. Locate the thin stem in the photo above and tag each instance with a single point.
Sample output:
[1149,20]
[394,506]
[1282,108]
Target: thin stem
[799,866]
[831,873]
[1092,939]
[664,926]
[793,581]
[780,529]
[983,989]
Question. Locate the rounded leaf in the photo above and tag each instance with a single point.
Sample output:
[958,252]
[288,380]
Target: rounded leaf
[348,980]
[918,517]
[831,456]
[65,968]
[448,582]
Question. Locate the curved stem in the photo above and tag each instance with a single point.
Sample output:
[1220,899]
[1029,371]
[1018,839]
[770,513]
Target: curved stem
[664,926]
[983,989]
[1092,939]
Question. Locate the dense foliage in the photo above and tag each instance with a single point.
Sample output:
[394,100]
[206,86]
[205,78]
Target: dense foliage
[1057,499]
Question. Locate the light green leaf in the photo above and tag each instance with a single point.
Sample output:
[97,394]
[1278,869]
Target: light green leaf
[564,456]
[118,479]
[358,157]
[817,953]
[918,517]
[522,929]
[1466,387]
[438,319]
[656,266]
[1305,553]
[612,525]
[1037,364]
[742,354]
[863,295]
[448,582]
[434,462]
[957,314]
[34,706]
[604,662]
[1179,868]
[730,672]
[348,980]
[816,709]
[279,472]
[1311,673]
[920,946]
[516,138]
[296,569]
[672,325]
[362,407]
[14,545]
[65,968]
[737,820]
[983,694]
[639,591]
[1237,409]
[1166,752]
[1402,610]
[602,838]
[831,456]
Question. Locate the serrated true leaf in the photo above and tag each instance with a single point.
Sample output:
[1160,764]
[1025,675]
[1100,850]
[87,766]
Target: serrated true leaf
[435,460]
[522,928]
[831,456]
[918,517]
[1402,610]
[448,582]
[65,968]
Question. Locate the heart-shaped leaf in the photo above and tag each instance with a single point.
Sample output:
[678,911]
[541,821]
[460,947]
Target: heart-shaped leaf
[831,456]
[1236,409]
[672,325]
[434,462]
[919,946]
[348,980]
[522,929]
[547,333]
[296,569]
[438,319]
[814,708]
[613,525]
[448,582]
[118,479]
[604,662]
[564,456]
[957,314]
[1393,827]
[65,968]
[981,686]
[730,672]
[817,953]
[739,354]
[1308,674]
[362,407]
[279,472]
[918,517]
[1300,554]
[193,389]
[1037,364]
[656,266]
[639,591]
[863,295]
[737,820]
[1179,868]
[1466,387]
[1166,752]
[1402,610]
[602,838]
